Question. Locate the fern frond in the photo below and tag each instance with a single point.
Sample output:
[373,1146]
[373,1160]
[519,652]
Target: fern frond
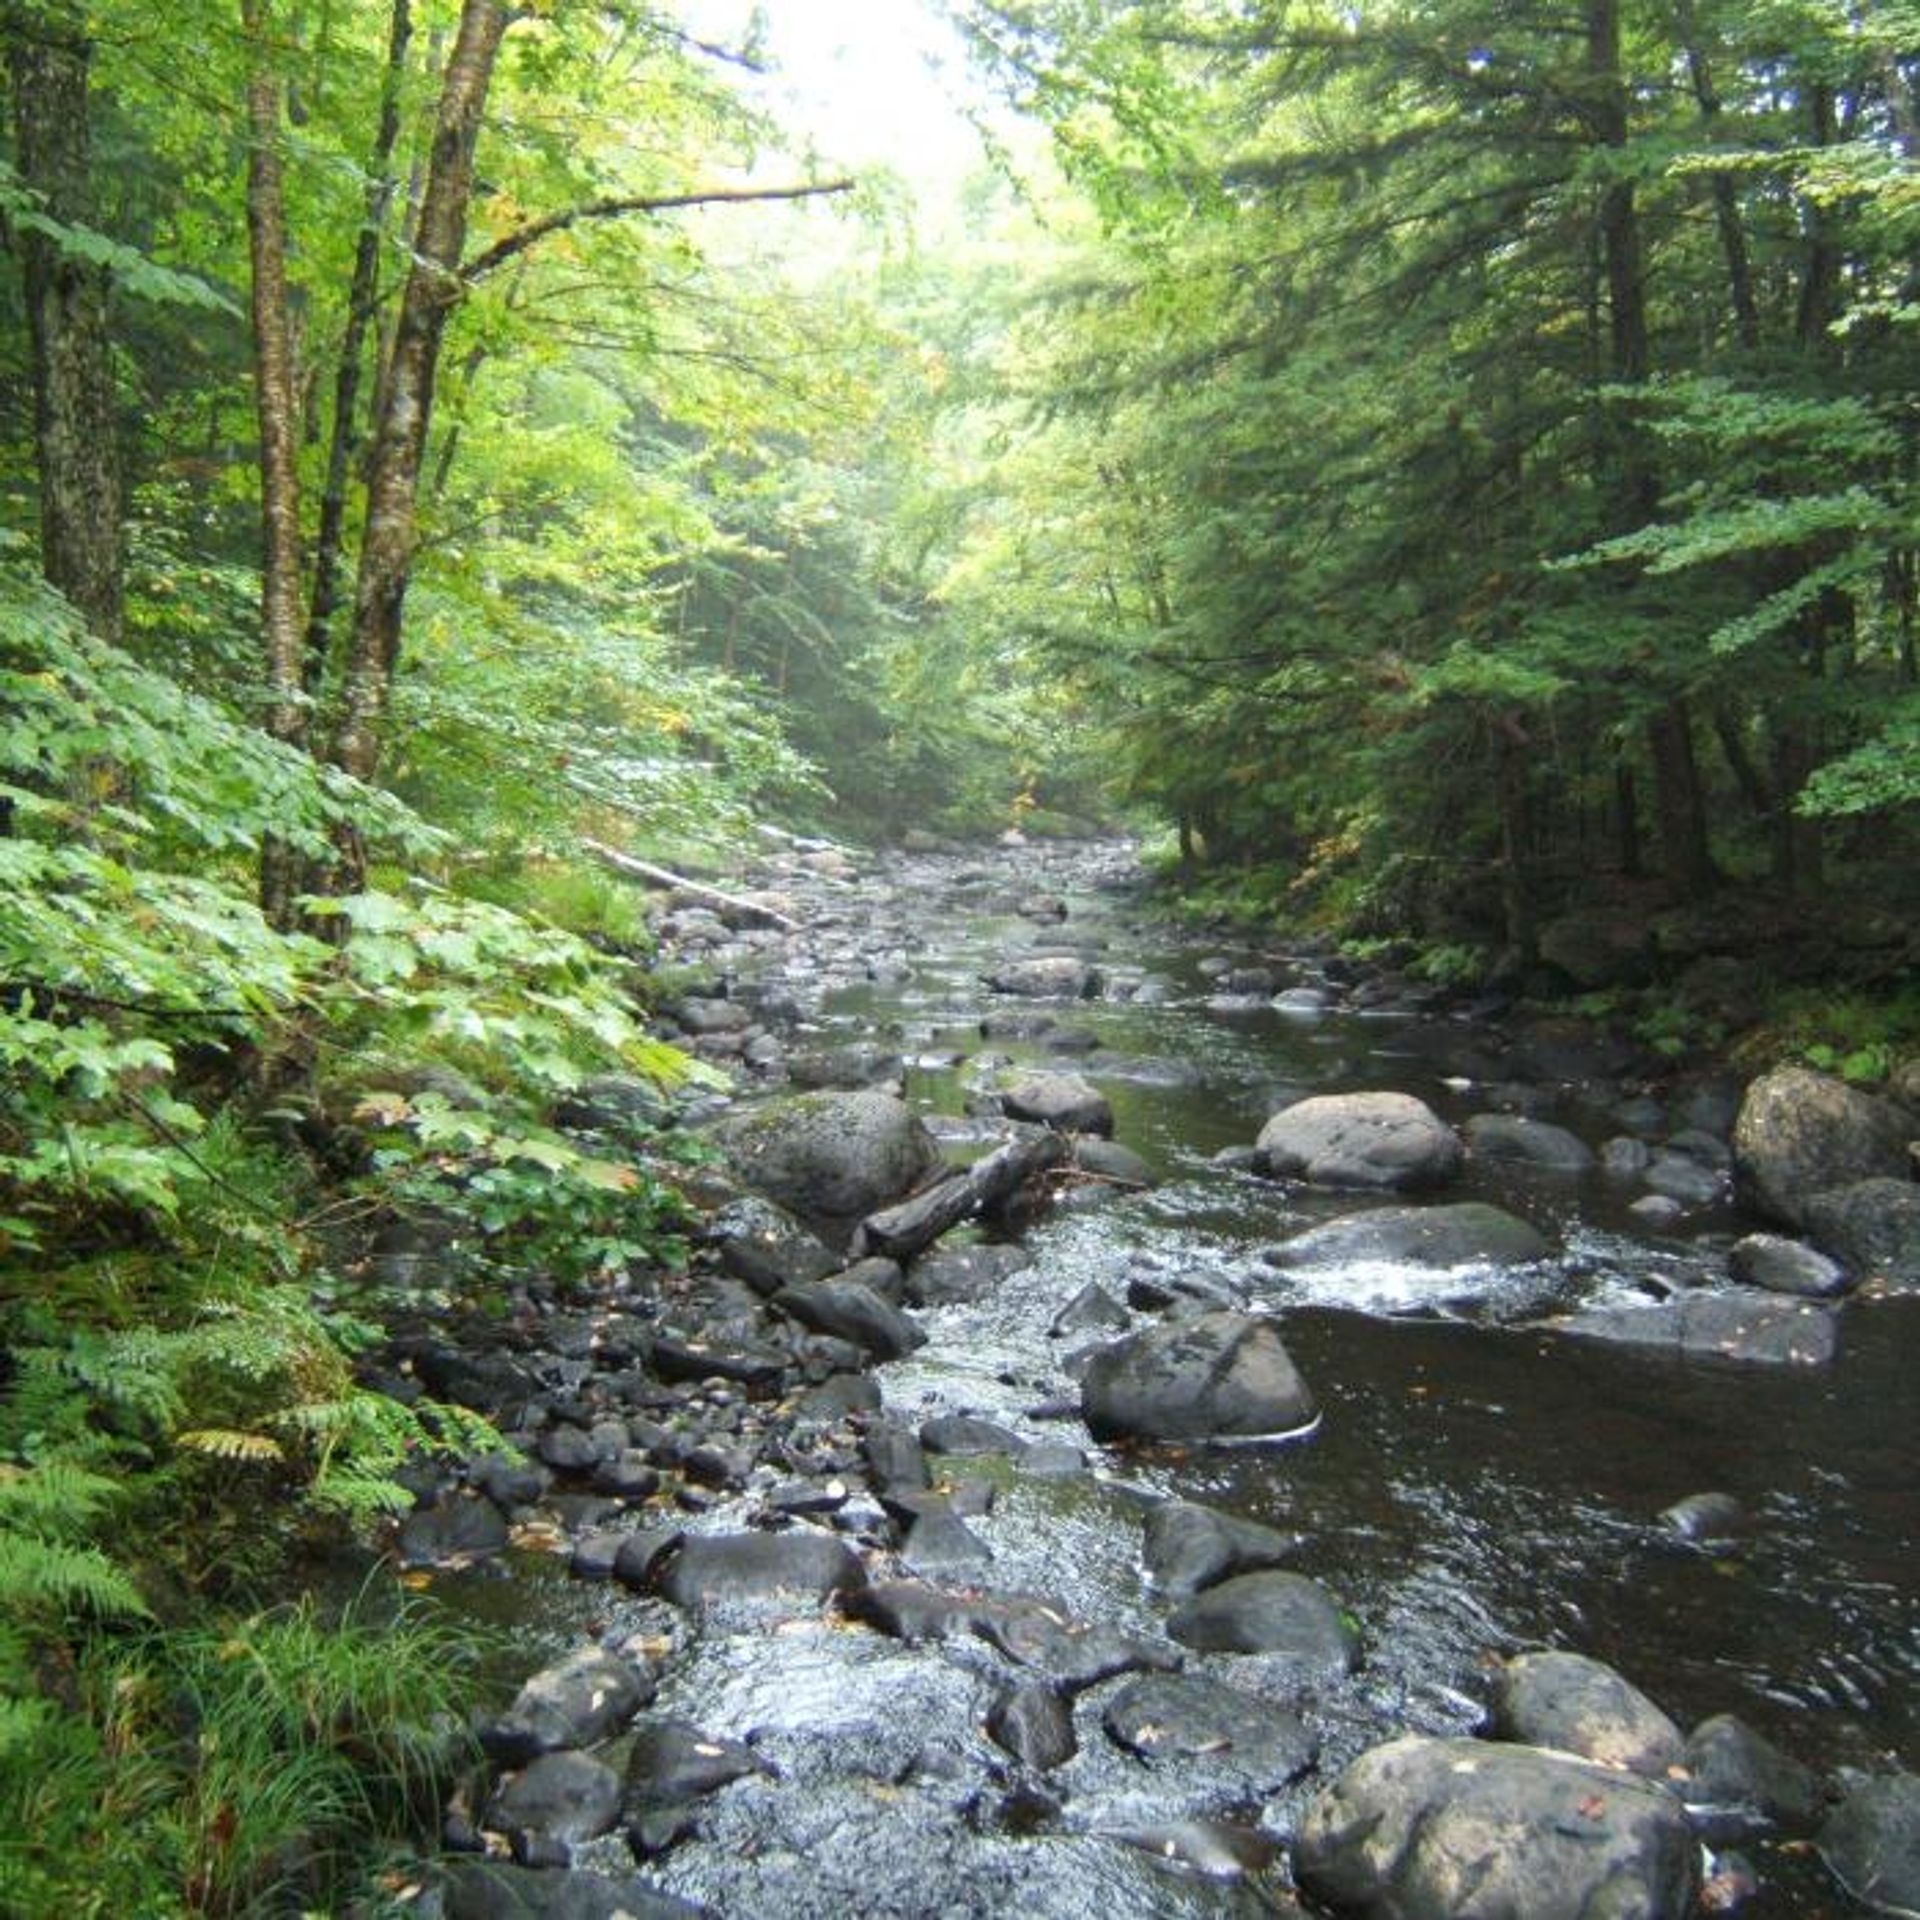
[54,1501]
[44,1576]
[227,1443]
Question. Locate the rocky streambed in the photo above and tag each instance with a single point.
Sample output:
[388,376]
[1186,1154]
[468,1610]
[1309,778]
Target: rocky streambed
[1155,1428]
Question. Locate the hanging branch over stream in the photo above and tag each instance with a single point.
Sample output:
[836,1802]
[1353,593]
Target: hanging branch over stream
[616,207]
[665,877]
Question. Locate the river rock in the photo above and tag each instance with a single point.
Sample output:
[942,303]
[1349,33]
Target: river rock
[1535,1143]
[1577,1705]
[1215,1849]
[1070,1654]
[1361,1140]
[1739,1782]
[1745,1328]
[1062,1101]
[1873,1226]
[765,1246]
[1108,1160]
[1470,1233]
[949,1274]
[1188,1548]
[566,1796]
[1273,1613]
[1220,1375]
[1681,1178]
[1713,1522]
[672,1760]
[1781,1265]
[758,1569]
[1048,977]
[850,1311]
[1035,1725]
[864,1064]
[1434,1829]
[1091,1310]
[1871,1843]
[1801,1132]
[940,1542]
[573,1703]
[1184,1717]
[964,1433]
[480,1889]
[831,1158]
[458,1529]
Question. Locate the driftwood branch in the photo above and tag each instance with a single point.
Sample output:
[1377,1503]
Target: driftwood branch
[616,207]
[734,903]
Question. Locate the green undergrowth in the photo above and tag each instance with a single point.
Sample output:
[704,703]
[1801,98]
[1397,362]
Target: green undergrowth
[202,1115]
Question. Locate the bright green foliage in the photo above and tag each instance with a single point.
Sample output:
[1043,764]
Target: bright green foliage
[244,1768]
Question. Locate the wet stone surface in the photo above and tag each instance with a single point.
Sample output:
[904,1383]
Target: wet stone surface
[824,1568]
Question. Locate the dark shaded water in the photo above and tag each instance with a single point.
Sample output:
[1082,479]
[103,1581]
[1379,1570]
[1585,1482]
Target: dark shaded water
[1477,1485]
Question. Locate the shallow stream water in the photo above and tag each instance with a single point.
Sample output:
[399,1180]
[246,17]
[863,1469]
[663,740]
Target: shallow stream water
[1478,1484]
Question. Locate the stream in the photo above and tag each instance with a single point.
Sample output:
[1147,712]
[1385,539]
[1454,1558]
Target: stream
[1479,1482]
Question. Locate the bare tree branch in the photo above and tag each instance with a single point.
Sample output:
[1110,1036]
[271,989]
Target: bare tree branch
[517,242]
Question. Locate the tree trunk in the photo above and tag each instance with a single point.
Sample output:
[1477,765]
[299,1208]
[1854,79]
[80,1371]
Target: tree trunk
[363,297]
[276,408]
[433,289]
[82,547]
[1726,202]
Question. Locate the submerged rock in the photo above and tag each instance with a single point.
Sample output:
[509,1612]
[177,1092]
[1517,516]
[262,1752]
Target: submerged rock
[1534,1143]
[1220,1375]
[1361,1140]
[1050,977]
[1063,1101]
[1746,1327]
[1182,1717]
[1470,1233]
[1430,1829]
[1739,1782]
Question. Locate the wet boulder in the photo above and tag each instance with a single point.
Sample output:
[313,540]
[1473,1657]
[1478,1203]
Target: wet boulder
[1743,1328]
[1035,1725]
[1470,1233]
[1063,1101]
[672,1761]
[1188,1548]
[1107,1160]
[831,1158]
[452,1532]
[1738,1782]
[1871,1226]
[848,1310]
[481,1889]
[1432,1829]
[759,1569]
[1070,1654]
[1580,1706]
[566,1796]
[583,1698]
[1185,1718]
[1284,1614]
[1780,1265]
[1386,1140]
[945,1275]
[767,1247]
[1046,977]
[1220,1375]
[1801,1132]
[1871,1843]
[1533,1143]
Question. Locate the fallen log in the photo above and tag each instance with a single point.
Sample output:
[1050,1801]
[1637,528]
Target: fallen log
[664,877]
[914,1224]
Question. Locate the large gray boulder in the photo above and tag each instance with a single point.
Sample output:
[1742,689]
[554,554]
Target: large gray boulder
[1221,1375]
[1578,1705]
[1872,1227]
[831,1158]
[1386,1140]
[1468,1234]
[1801,1132]
[1426,1829]
[1284,1614]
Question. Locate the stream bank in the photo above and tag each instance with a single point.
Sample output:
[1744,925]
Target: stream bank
[905,1639]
